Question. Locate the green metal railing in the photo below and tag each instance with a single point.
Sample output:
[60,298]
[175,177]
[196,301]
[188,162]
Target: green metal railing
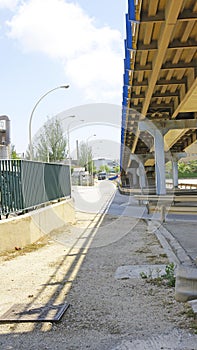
[26,184]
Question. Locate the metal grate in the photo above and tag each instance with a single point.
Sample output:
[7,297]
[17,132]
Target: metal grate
[34,313]
[25,184]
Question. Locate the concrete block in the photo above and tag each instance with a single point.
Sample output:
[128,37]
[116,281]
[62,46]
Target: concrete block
[186,283]
[28,228]
[193,304]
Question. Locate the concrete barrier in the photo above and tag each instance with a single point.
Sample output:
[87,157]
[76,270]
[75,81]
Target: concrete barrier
[186,283]
[28,228]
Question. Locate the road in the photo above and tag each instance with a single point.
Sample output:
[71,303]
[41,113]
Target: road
[93,199]
[104,197]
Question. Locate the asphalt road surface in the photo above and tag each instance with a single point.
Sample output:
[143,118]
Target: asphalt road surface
[94,199]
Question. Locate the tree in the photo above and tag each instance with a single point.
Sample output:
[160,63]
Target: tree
[193,166]
[27,153]
[52,143]
[187,169]
[13,152]
[85,156]
[117,169]
[104,168]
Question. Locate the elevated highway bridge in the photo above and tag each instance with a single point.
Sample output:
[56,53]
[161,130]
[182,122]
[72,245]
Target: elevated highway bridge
[159,107]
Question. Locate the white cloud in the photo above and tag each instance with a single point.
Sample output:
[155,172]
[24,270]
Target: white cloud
[92,57]
[98,73]
[8,4]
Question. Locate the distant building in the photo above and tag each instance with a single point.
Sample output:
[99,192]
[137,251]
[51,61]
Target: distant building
[110,163]
[4,137]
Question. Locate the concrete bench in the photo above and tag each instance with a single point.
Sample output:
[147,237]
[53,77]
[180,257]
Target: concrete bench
[163,201]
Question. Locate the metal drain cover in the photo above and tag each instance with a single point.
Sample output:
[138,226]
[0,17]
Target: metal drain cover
[34,313]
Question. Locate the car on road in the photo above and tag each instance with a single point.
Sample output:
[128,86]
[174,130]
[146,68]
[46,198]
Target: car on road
[102,175]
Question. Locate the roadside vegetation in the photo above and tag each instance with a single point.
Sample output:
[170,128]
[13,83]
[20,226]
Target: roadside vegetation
[185,170]
[166,279]
[188,170]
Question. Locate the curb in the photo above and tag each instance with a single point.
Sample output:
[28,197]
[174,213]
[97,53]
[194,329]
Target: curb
[185,268]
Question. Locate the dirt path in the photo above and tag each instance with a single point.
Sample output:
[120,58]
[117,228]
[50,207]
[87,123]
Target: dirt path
[78,265]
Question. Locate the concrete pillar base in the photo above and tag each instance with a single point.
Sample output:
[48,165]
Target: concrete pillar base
[186,283]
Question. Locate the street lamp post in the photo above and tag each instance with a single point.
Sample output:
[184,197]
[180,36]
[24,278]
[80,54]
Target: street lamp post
[88,157]
[30,120]
[68,138]
[68,135]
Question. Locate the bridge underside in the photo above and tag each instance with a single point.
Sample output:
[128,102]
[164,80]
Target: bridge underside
[159,109]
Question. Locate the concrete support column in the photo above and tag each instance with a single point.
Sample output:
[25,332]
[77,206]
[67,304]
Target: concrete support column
[175,159]
[137,170]
[142,176]
[175,172]
[159,155]
[133,172]
[159,163]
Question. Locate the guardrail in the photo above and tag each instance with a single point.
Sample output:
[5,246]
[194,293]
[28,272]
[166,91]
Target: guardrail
[161,202]
[26,184]
[186,185]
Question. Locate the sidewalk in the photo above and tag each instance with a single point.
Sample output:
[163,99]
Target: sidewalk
[182,227]
[79,266]
[185,232]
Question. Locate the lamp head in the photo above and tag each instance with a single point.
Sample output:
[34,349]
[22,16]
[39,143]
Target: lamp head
[64,86]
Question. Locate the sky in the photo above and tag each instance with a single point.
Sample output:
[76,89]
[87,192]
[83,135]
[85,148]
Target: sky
[48,43]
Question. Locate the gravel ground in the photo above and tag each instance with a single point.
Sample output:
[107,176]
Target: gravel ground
[77,265]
